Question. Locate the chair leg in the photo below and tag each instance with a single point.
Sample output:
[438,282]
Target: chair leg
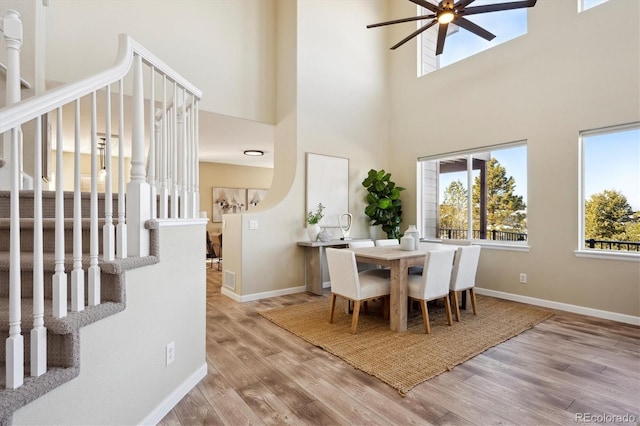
[447,305]
[332,306]
[356,314]
[425,316]
[473,301]
[366,307]
[455,304]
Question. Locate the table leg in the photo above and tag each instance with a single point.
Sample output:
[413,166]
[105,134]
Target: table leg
[313,269]
[398,311]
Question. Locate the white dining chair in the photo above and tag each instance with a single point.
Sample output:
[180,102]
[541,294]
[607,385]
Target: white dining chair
[463,276]
[433,283]
[388,242]
[347,283]
[363,243]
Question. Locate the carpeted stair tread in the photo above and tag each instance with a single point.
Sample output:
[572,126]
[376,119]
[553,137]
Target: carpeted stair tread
[50,223]
[118,266]
[72,322]
[25,202]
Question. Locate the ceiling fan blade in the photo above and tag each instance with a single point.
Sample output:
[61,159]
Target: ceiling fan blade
[497,7]
[397,21]
[432,7]
[413,34]
[474,28]
[442,35]
[462,4]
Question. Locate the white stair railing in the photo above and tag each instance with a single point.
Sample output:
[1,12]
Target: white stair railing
[175,139]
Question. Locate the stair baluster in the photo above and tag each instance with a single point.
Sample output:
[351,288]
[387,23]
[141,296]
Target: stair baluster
[59,277]
[93,290]
[38,332]
[77,274]
[108,230]
[152,146]
[121,229]
[163,208]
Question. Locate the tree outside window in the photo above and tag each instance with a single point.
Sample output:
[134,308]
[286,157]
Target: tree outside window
[498,195]
[610,218]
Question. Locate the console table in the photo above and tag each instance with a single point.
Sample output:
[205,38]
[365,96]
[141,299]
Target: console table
[314,258]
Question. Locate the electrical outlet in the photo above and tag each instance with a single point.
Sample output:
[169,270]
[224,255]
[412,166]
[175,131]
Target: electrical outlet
[170,353]
[253,224]
[523,278]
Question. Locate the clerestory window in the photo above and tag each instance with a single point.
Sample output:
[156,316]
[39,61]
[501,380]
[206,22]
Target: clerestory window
[588,4]
[461,44]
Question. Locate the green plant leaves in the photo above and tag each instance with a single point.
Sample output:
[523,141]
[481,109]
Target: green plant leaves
[384,205]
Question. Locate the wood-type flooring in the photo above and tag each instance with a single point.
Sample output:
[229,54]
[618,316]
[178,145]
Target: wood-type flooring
[570,369]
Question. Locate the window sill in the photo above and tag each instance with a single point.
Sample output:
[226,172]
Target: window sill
[608,255]
[522,247]
[493,245]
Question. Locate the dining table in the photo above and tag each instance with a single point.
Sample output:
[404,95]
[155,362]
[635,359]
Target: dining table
[399,261]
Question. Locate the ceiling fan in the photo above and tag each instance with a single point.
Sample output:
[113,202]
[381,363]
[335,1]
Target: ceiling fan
[447,12]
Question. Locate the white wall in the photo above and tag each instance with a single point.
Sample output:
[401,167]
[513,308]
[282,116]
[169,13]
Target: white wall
[123,378]
[336,105]
[225,47]
[571,72]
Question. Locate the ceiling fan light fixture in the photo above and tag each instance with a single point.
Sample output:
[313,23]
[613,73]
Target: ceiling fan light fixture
[254,153]
[446,17]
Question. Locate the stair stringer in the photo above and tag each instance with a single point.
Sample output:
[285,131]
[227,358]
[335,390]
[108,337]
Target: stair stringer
[123,378]
[64,333]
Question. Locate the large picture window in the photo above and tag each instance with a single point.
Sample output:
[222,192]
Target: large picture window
[475,195]
[610,190]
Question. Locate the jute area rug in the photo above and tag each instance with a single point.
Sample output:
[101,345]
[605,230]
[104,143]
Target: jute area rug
[404,360]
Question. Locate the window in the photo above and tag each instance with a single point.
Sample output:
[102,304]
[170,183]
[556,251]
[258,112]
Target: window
[588,4]
[497,177]
[610,190]
[461,44]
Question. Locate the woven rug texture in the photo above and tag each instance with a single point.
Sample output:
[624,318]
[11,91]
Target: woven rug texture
[404,360]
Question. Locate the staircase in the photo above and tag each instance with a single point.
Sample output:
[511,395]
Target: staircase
[63,342]
[64,255]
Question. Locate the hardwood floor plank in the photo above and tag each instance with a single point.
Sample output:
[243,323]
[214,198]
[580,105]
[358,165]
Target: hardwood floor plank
[269,407]
[261,374]
[225,401]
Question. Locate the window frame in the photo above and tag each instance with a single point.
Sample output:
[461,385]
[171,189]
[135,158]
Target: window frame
[581,251]
[420,54]
[581,7]
[521,246]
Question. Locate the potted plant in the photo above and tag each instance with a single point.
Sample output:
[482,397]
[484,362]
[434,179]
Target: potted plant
[384,206]
[313,227]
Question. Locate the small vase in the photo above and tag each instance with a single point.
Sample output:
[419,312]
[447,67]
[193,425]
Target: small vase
[313,231]
[413,232]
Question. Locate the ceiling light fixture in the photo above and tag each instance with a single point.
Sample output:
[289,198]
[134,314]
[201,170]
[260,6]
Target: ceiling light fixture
[254,153]
[445,17]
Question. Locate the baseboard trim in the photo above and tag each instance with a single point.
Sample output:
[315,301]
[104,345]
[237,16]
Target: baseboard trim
[263,295]
[614,316]
[155,416]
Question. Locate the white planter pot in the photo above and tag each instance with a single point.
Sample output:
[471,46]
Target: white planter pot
[313,231]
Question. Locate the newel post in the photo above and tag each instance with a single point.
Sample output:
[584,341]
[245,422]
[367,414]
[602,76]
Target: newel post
[138,190]
[14,345]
